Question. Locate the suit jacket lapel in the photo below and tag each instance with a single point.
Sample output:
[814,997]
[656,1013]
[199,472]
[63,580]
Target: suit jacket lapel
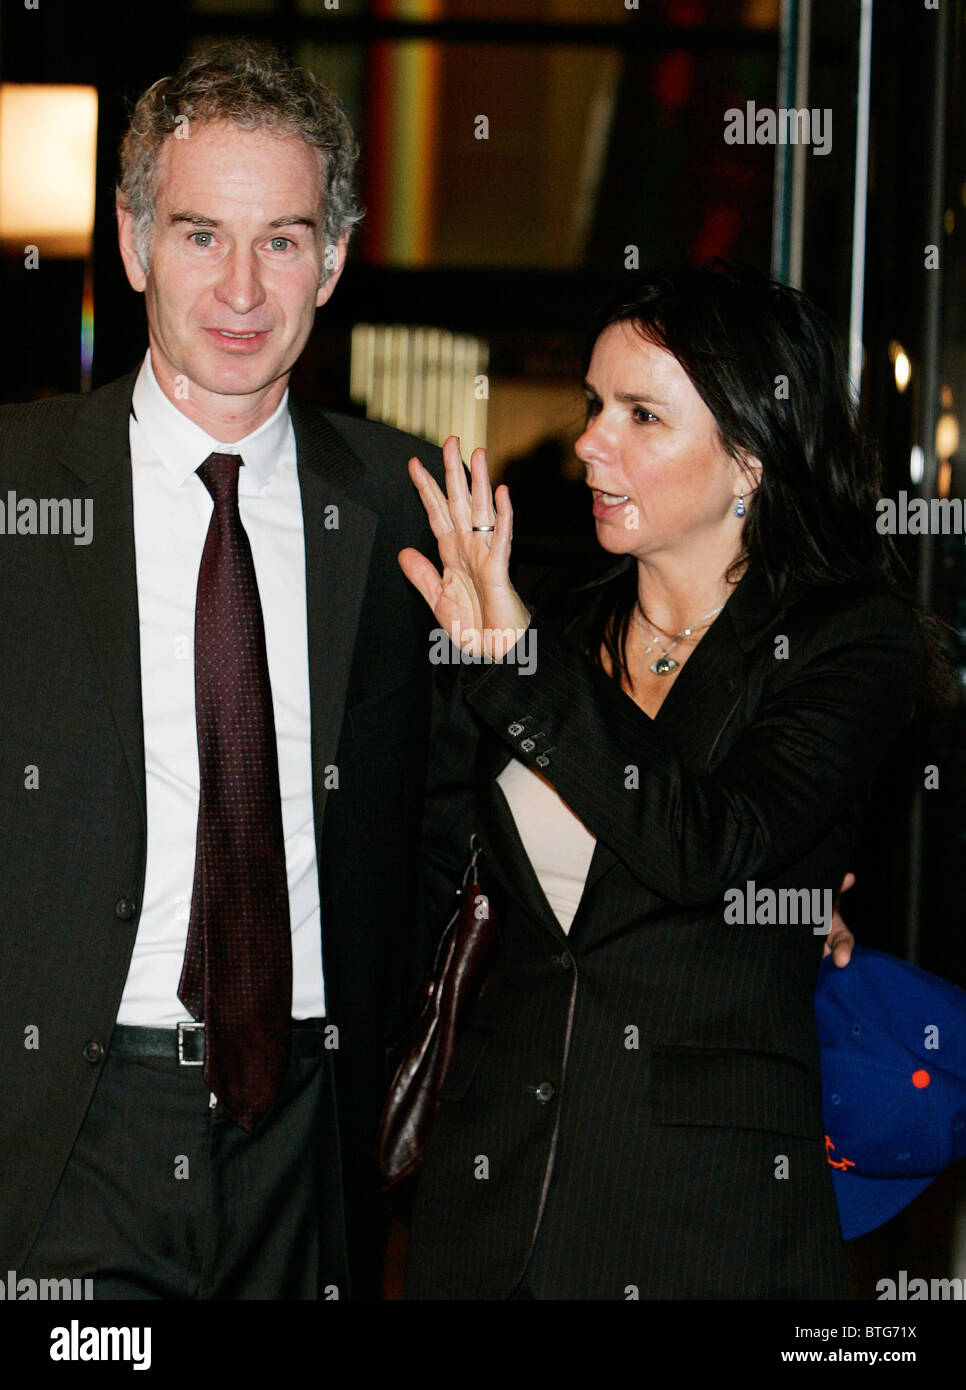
[97,455]
[338,540]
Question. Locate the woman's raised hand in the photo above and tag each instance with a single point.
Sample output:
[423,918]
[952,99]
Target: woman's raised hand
[473,600]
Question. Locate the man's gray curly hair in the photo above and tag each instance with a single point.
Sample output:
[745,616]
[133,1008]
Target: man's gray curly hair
[256,89]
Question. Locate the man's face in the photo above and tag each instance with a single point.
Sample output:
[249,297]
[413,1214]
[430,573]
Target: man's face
[235,264]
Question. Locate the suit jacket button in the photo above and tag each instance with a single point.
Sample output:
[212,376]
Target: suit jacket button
[93,1052]
[125,909]
[544,1093]
[566,961]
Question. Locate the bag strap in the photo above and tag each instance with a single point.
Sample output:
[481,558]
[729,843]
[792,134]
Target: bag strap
[469,872]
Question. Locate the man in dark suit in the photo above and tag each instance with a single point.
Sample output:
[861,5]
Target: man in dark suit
[214,707]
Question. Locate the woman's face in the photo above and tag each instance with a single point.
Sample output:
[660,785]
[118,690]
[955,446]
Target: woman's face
[661,479]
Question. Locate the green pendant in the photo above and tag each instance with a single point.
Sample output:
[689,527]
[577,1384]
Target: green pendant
[663,665]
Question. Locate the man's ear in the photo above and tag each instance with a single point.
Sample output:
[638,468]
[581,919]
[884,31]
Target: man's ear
[333,265]
[125,237]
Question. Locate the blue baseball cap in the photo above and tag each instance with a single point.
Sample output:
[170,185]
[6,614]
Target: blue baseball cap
[893,1041]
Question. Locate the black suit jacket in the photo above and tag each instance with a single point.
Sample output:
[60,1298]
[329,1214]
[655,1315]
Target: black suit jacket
[72,849]
[634,1108]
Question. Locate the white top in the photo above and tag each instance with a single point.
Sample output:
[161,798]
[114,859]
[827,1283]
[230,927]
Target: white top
[558,844]
[172,511]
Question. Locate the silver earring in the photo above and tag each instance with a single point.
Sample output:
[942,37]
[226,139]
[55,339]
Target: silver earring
[739,507]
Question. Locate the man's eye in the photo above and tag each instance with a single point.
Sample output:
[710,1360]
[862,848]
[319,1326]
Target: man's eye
[279,243]
[642,416]
[196,238]
[592,406]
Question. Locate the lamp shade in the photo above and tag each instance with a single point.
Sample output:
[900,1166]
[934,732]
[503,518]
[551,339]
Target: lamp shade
[48,147]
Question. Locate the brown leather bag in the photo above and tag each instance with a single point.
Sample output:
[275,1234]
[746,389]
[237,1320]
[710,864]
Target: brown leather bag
[462,967]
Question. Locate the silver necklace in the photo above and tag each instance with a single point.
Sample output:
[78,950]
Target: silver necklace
[665,662]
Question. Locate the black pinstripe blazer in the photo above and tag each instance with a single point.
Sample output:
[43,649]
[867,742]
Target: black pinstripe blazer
[634,1110]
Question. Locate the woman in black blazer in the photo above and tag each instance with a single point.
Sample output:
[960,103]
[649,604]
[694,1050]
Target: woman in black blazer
[671,764]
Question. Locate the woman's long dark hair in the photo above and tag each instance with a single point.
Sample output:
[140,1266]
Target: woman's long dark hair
[766,364]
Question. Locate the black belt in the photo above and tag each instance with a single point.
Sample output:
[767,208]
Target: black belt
[185,1043]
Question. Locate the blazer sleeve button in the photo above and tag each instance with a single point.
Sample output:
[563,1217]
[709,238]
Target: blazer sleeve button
[544,1093]
[125,909]
[93,1052]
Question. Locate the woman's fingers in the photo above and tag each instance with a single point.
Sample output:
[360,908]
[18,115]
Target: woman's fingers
[423,575]
[433,499]
[470,505]
[461,507]
[846,884]
[503,532]
[474,587]
[457,492]
[482,510]
[839,942]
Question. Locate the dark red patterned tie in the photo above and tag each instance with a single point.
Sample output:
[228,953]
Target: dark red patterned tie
[237,973]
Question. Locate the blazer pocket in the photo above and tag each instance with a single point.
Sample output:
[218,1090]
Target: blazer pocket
[735,1089]
[466,1059]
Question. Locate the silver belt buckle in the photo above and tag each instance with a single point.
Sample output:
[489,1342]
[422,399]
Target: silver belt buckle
[188,1028]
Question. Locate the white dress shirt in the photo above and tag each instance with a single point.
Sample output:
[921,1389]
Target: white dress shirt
[558,844]
[172,511]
